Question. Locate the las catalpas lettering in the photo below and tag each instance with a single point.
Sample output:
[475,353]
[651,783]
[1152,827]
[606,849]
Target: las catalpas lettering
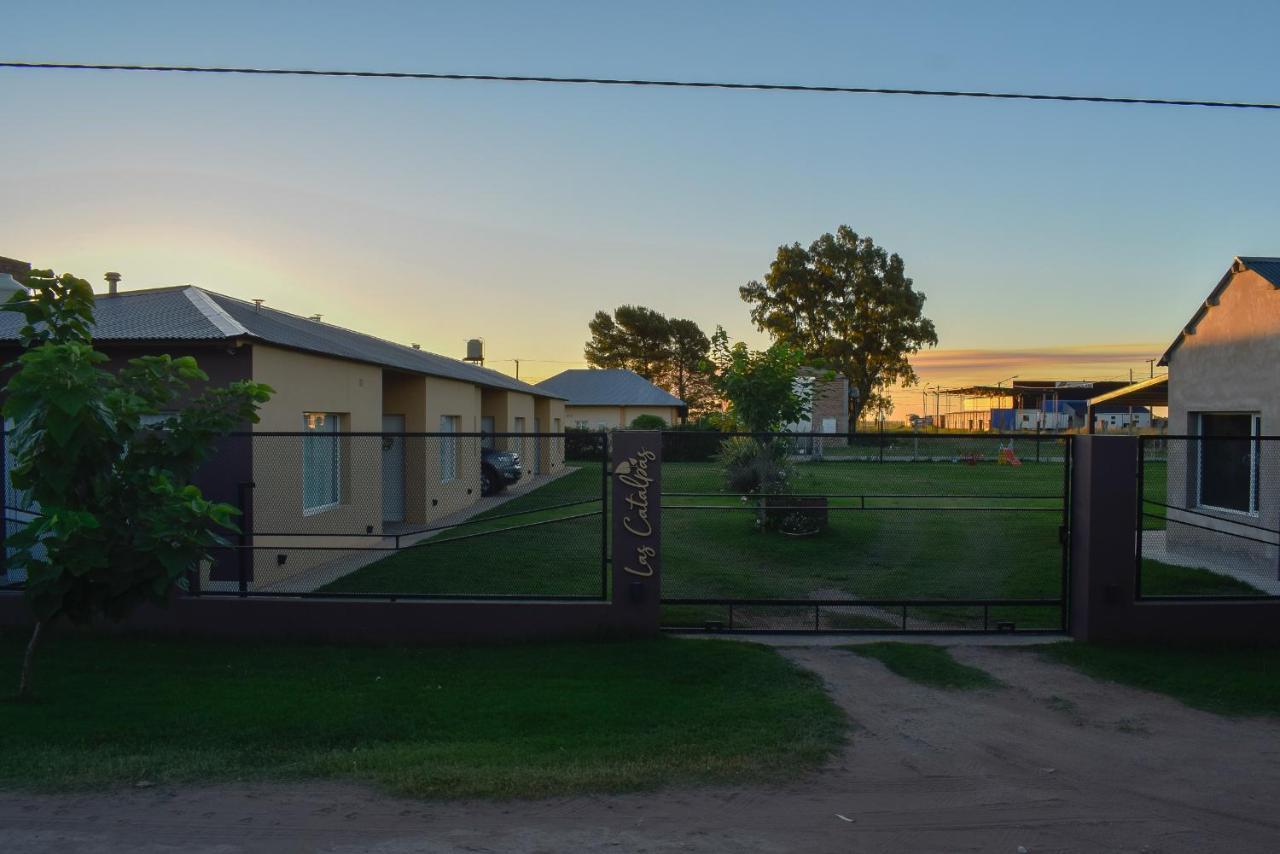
[635,475]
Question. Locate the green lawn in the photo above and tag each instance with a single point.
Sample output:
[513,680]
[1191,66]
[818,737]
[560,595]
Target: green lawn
[514,721]
[927,664]
[558,558]
[1230,681]
[898,530]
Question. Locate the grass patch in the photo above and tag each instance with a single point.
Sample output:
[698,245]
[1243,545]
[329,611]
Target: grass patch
[927,664]
[557,559]
[1225,680]
[1164,579]
[897,530]
[514,721]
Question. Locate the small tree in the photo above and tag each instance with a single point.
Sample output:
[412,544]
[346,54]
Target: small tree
[760,385]
[764,395]
[119,522]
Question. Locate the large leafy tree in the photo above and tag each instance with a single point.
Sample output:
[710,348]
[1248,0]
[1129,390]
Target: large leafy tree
[688,374]
[118,521]
[669,352]
[633,337]
[848,305]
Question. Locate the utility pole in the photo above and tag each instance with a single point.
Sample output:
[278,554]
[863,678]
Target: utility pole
[1151,368]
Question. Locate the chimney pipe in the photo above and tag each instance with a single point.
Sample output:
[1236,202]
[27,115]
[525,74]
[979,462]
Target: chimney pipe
[113,283]
[257,304]
[416,346]
[315,317]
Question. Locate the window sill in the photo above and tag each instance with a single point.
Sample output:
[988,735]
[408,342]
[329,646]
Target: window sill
[323,508]
[1251,514]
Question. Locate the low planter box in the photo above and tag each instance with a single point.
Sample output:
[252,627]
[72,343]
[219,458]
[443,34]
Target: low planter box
[813,507]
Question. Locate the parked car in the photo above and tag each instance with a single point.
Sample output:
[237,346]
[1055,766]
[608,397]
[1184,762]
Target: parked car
[498,470]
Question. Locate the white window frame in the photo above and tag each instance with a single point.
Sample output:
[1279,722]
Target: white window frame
[309,422]
[1255,430]
[518,427]
[449,448]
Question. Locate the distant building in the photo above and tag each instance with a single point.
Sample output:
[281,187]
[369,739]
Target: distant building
[829,412]
[1224,383]
[1051,405]
[608,399]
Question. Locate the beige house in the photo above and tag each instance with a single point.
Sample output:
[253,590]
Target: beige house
[610,399]
[333,462]
[1224,382]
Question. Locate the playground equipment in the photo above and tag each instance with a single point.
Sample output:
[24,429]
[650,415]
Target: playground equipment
[1006,457]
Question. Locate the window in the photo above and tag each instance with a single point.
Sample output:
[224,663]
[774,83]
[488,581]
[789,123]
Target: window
[321,461]
[517,444]
[449,448]
[488,428]
[581,423]
[1227,465]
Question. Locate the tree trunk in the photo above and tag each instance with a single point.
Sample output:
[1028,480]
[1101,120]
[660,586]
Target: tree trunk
[24,683]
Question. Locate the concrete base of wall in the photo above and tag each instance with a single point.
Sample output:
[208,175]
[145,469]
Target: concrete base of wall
[1104,603]
[361,621]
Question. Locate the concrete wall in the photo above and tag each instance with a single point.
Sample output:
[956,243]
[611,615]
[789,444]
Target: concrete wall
[305,382]
[1229,364]
[1104,603]
[616,417]
[448,397]
[550,413]
[505,407]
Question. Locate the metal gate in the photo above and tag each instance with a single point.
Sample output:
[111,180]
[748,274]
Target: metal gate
[902,532]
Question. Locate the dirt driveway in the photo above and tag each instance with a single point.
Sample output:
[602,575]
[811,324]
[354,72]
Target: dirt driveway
[1055,762]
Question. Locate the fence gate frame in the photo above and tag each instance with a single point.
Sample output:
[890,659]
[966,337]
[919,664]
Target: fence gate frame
[902,606]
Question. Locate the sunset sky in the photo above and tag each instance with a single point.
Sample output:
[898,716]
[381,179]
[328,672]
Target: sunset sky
[1052,240]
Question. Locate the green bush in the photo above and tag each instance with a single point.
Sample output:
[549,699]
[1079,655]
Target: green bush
[756,466]
[691,443]
[648,422]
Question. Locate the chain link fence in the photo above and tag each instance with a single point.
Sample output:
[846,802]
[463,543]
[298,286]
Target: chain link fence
[1209,520]
[913,532]
[403,515]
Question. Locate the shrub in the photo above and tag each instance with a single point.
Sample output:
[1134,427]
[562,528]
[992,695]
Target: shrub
[648,422]
[584,445]
[691,443]
[756,466]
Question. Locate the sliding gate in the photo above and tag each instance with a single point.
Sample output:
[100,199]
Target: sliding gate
[890,532]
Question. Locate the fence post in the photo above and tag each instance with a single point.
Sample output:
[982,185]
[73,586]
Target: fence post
[604,515]
[1103,499]
[1139,507]
[881,441]
[636,522]
[244,554]
[1037,443]
[4,522]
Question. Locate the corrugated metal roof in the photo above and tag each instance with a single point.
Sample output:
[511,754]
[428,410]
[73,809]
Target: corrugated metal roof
[1266,267]
[166,314]
[607,387]
[195,314]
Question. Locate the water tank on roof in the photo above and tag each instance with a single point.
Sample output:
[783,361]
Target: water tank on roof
[475,350]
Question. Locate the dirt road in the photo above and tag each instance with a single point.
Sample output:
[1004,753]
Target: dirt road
[1055,762]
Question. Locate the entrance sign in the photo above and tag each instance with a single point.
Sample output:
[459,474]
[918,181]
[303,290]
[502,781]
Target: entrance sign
[637,518]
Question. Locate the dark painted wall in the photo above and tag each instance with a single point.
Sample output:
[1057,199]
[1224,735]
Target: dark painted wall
[1104,603]
[232,463]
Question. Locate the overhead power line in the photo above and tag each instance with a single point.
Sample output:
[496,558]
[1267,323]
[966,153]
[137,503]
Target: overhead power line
[673,84]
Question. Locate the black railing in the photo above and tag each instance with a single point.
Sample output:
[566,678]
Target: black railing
[1208,517]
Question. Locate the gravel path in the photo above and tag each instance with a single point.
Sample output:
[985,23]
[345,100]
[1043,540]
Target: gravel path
[1055,762]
